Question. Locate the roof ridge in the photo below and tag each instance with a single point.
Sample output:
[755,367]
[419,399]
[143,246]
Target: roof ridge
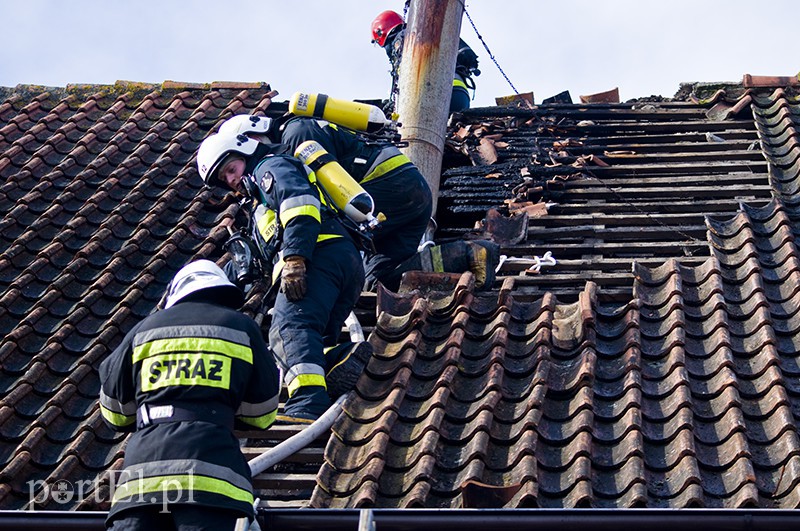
[29,90]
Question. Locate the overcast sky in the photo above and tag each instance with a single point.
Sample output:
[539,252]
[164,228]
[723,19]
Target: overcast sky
[644,47]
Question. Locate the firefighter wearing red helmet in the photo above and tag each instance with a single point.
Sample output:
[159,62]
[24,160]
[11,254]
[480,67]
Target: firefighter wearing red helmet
[388,31]
[384,24]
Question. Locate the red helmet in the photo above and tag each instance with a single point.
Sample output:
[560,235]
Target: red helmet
[383,24]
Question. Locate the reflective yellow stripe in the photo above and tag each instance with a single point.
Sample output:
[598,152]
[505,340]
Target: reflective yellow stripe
[208,370]
[267,224]
[458,83]
[436,258]
[192,344]
[116,419]
[182,483]
[276,270]
[387,166]
[306,380]
[115,406]
[325,237]
[264,421]
[305,210]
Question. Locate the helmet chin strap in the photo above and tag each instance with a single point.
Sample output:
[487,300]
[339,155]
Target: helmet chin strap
[250,187]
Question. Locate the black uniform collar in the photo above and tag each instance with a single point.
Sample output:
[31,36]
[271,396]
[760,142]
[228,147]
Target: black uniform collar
[264,150]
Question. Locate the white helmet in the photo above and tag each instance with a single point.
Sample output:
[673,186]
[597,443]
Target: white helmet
[214,148]
[200,275]
[246,124]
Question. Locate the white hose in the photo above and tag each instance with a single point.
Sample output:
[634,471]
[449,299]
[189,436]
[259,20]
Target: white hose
[290,446]
[354,327]
[297,441]
[536,263]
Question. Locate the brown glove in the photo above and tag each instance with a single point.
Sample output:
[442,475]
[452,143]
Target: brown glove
[293,278]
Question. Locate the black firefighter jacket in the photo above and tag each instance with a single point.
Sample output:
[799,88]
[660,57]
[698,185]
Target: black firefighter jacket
[193,360]
[364,161]
[292,217]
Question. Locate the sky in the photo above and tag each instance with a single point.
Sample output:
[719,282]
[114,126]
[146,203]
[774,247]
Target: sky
[643,47]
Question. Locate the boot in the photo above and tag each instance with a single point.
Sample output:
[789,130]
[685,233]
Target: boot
[347,362]
[305,406]
[483,257]
[479,256]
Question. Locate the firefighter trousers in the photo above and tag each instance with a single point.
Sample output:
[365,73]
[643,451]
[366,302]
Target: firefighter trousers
[301,329]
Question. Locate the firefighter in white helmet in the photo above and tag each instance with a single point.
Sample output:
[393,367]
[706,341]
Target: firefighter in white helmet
[182,379]
[399,192]
[313,260]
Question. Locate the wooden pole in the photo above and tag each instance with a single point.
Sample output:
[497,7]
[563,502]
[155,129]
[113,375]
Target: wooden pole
[426,82]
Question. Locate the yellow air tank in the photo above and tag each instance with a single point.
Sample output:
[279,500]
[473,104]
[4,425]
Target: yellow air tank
[350,114]
[344,191]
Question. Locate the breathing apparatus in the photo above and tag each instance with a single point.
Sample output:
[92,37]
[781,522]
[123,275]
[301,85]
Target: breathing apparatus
[339,188]
[343,191]
[368,121]
[247,267]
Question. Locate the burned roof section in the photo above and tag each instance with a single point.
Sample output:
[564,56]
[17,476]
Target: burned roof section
[605,184]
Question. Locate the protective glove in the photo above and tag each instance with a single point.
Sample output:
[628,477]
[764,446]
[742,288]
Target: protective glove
[293,278]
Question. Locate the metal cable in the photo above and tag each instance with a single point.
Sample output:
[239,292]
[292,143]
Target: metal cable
[491,55]
[480,37]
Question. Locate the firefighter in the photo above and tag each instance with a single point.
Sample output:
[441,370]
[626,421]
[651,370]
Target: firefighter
[399,191]
[315,268]
[181,379]
[388,32]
